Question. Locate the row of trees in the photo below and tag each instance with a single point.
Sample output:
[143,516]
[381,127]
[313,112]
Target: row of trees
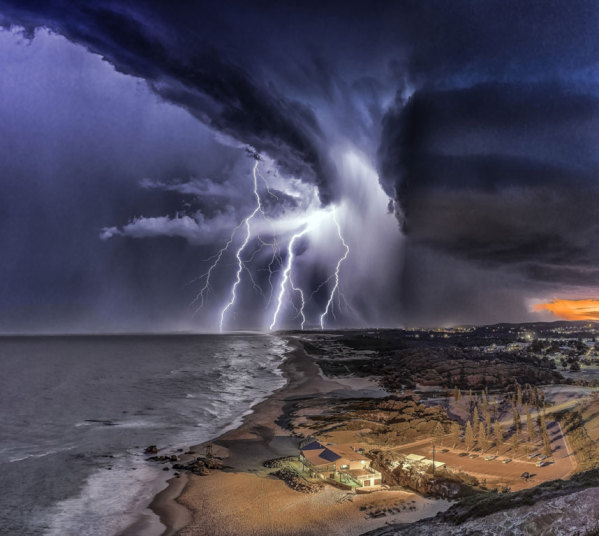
[518,395]
[486,429]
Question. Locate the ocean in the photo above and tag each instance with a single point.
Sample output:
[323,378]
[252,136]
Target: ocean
[76,413]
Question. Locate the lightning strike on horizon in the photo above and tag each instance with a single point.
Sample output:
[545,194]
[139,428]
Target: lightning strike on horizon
[240,263]
[301,293]
[315,291]
[339,262]
[287,276]
[202,293]
[276,254]
[276,257]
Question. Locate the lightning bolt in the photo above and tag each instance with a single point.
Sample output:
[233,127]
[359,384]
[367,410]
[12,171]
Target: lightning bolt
[276,255]
[339,262]
[301,293]
[200,296]
[287,276]
[240,250]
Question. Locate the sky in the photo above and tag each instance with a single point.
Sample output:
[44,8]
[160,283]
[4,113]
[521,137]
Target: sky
[269,165]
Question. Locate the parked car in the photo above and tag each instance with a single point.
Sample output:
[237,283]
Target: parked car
[443,451]
[507,460]
[463,454]
[541,463]
[473,456]
[532,456]
[490,458]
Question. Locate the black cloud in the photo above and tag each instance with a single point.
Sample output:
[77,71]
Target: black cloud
[500,174]
[192,74]
[489,147]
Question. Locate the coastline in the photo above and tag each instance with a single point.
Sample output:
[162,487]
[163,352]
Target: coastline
[168,504]
[162,514]
[221,503]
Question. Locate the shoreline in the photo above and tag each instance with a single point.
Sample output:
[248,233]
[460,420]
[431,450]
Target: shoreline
[195,508]
[163,514]
[167,505]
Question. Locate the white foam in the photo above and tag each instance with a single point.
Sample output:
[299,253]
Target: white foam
[109,501]
[39,455]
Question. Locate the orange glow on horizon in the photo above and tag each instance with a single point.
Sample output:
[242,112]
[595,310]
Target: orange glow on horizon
[585,309]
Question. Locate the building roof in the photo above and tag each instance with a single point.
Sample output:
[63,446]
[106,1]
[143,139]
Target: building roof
[323,456]
[349,453]
[317,454]
[314,445]
[414,457]
[329,455]
[366,472]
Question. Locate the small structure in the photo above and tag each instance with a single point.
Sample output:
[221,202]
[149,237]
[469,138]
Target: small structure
[345,464]
[421,463]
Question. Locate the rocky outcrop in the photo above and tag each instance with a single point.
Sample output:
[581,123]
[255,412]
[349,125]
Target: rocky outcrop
[295,481]
[573,514]
[278,462]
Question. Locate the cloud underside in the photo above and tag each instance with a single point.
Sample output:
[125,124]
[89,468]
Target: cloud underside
[481,118]
[500,175]
[194,74]
[490,159]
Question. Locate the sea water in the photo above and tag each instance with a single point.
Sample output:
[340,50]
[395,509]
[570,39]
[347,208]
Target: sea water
[76,413]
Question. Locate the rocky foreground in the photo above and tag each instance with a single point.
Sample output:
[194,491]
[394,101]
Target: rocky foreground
[556,509]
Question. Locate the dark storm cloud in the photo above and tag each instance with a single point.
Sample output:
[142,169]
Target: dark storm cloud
[191,73]
[483,112]
[500,174]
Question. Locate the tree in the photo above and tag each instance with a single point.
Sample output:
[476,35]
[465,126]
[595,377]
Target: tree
[516,417]
[482,438]
[515,441]
[475,421]
[546,445]
[488,421]
[498,433]
[518,395]
[438,432]
[469,436]
[546,441]
[529,425]
[456,433]
[542,422]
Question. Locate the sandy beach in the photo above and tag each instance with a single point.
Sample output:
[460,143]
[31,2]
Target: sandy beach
[243,499]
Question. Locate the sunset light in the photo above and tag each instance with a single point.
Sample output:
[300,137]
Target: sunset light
[585,309]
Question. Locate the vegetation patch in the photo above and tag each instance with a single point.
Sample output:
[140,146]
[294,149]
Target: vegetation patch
[585,449]
[388,421]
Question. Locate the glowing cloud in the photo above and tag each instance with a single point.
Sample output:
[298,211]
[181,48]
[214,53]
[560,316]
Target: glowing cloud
[585,309]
